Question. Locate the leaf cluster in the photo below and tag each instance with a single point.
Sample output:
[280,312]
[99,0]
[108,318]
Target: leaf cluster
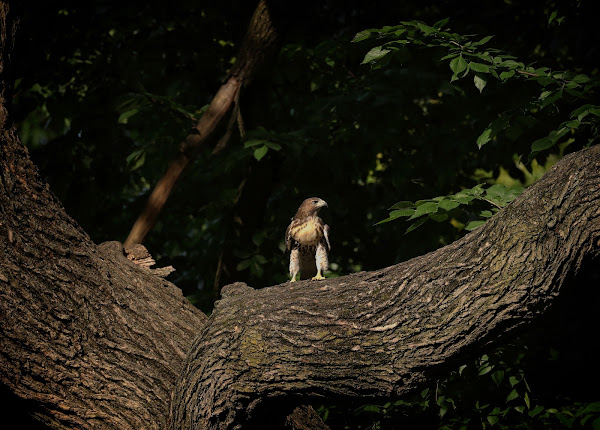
[442,208]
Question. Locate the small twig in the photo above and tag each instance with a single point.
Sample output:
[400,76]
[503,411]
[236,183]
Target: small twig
[527,73]
[495,204]
[461,46]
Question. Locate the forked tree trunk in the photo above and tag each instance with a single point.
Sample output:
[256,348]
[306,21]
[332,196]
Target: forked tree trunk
[98,342]
[377,334]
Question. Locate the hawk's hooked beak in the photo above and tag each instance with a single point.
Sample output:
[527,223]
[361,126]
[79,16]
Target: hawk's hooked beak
[322,204]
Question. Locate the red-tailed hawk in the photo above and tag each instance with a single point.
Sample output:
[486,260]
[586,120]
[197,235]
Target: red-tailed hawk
[307,239]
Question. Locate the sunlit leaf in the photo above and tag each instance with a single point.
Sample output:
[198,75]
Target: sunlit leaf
[478,67]
[448,205]
[480,82]
[473,225]
[259,153]
[375,54]
[512,395]
[458,65]
[124,117]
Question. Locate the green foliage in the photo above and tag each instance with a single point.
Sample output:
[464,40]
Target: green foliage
[492,391]
[465,56]
[443,208]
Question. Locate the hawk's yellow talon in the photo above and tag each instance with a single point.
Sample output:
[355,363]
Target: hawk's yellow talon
[293,279]
[318,277]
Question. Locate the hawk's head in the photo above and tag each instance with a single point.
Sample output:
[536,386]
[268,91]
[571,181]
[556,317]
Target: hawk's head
[310,207]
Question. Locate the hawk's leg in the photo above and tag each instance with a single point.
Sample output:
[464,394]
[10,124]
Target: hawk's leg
[294,264]
[321,261]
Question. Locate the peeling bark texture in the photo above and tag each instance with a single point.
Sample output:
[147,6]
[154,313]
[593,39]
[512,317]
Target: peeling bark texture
[92,339]
[380,334]
[259,45]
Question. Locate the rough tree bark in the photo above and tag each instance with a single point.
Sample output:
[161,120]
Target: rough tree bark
[377,334]
[94,340]
[258,46]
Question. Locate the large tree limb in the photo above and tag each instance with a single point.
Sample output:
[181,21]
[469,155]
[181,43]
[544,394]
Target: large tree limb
[378,334]
[258,46]
[89,337]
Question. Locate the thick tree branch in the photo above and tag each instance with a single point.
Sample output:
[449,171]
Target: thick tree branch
[92,338]
[258,46]
[378,334]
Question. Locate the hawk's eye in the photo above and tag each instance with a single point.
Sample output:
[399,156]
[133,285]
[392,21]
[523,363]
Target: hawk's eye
[315,201]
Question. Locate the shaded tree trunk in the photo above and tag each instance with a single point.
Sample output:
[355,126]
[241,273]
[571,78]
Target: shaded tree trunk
[382,333]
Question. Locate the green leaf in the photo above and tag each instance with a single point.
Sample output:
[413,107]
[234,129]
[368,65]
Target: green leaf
[496,190]
[418,223]
[370,408]
[548,99]
[438,217]
[403,204]
[484,137]
[513,380]
[473,225]
[136,159]
[402,212]
[244,264]
[425,208]
[274,146]
[479,67]
[480,82]
[506,75]
[483,41]
[580,79]
[493,129]
[544,81]
[448,205]
[527,400]
[362,35]
[493,419]
[512,395]
[259,153]
[584,111]
[498,376]
[375,54]
[536,411]
[254,142]
[511,64]
[126,115]
[449,56]
[441,23]
[596,424]
[427,30]
[541,144]
[486,369]
[458,65]
[571,124]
